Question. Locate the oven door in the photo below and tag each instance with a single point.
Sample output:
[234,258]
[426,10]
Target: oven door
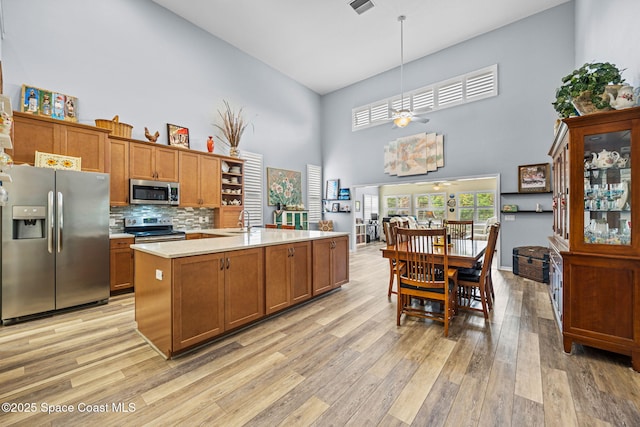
[143,192]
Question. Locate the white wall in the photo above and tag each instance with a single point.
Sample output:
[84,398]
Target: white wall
[140,61]
[489,137]
[609,31]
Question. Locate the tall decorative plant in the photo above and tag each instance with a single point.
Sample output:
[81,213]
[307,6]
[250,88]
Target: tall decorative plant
[232,127]
[586,83]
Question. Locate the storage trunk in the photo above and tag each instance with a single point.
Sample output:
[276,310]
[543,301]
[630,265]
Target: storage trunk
[531,262]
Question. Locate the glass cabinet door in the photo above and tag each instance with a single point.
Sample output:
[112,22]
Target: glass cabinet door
[607,188]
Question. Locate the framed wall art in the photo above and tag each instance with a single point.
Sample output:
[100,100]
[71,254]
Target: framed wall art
[43,102]
[332,189]
[534,178]
[285,187]
[178,136]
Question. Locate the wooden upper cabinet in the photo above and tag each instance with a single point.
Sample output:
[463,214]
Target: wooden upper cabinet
[209,181]
[148,161]
[166,161]
[86,144]
[199,180]
[118,168]
[33,133]
[189,165]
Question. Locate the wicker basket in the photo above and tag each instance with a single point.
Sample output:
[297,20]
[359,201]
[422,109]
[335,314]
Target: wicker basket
[116,128]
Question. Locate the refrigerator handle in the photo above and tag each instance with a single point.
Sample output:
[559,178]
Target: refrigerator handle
[50,211]
[60,222]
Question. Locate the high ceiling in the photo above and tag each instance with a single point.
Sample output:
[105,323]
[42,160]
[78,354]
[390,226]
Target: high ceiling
[325,45]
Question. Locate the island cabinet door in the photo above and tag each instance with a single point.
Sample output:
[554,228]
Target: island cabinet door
[300,272]
[340,261]
[244,287]
[322,257]
[198,299]
[277,277]
[330,263]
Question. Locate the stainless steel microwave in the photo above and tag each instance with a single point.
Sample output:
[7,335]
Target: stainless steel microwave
[143,192]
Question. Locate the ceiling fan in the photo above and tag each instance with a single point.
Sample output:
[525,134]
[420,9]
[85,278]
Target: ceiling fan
[403,116]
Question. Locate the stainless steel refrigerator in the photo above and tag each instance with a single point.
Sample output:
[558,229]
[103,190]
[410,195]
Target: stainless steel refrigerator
[55,241]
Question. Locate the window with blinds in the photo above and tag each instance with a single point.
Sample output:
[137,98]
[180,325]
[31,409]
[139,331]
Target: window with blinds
[253,186]
[314,193]
[470,87]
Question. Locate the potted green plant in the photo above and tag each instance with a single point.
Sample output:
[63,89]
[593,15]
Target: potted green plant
[584,89]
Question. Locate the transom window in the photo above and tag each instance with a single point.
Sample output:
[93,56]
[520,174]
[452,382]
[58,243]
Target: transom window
[470,87]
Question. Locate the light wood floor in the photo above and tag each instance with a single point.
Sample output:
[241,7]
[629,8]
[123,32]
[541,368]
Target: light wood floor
[337,361]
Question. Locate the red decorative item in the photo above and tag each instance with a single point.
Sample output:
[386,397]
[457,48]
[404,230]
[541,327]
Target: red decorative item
[210,144]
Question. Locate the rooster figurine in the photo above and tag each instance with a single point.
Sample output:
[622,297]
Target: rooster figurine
[152,138]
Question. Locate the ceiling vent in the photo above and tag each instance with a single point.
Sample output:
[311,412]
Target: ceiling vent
[361,6]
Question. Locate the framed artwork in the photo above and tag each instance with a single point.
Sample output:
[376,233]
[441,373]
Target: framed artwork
[335,207]
[285,187]
[344,194]
[332,189]
[412,155]
[42,102]
[357,205]
[178,136]
[534,178]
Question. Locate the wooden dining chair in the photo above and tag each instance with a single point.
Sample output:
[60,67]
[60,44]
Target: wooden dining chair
[394,264]
[288,227]
[459,230]
[426,276]
[479,279]
[271,225]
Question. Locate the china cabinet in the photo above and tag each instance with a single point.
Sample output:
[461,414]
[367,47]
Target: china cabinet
[595,271]
[299,219]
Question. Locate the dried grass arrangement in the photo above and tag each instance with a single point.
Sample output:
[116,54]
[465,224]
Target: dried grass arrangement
[233,126]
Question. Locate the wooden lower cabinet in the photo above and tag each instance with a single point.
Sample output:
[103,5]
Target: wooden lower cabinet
[198,299]
[121,264]
[602,304]
[227,217]
[244,287]
[330,263]
[187,301]
[287,275]
[193,236]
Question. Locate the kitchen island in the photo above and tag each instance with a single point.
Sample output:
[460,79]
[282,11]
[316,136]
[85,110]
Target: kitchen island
[192,291]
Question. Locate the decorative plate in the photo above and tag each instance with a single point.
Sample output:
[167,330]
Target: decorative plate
[56,161]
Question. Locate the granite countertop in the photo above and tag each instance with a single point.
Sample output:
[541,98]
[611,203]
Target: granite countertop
[120,235]
[231,239]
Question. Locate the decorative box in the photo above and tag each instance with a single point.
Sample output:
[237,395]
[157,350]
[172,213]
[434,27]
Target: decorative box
[509,208]
[531,262]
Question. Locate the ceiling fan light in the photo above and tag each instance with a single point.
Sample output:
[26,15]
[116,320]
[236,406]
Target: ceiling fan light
[402,121]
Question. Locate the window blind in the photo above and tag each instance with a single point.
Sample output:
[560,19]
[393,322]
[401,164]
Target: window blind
[253,186]
[314,193]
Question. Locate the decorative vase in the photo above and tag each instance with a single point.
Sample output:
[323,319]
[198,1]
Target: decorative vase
[210,144]
[234,152]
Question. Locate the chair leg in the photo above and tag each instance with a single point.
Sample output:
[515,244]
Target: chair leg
[399,302]
[391,276]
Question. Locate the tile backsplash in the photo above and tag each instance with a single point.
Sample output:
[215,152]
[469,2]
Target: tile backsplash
[183,218]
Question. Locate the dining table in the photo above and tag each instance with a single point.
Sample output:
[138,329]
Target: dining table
[461,253]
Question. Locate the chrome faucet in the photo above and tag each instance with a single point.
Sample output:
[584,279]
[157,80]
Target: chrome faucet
[244,212]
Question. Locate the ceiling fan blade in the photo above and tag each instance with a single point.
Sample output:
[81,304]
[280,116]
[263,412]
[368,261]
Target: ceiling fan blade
[420,119]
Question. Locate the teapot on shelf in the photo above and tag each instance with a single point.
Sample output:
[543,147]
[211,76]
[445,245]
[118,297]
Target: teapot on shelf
[626,98]
[605,159]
